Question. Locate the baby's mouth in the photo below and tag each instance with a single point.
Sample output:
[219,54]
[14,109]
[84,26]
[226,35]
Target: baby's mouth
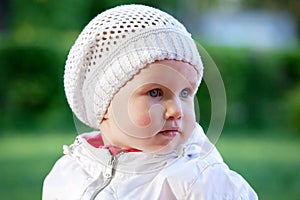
[172,132]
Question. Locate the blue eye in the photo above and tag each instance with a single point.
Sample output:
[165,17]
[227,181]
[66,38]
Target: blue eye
[155,93]
[185,92]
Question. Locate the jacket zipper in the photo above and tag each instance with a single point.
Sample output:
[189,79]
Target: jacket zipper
[108,175]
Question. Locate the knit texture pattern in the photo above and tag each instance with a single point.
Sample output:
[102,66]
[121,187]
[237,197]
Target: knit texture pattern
[115,46]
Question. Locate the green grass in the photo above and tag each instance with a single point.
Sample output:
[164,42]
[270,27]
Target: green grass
[270,164]
[24,162]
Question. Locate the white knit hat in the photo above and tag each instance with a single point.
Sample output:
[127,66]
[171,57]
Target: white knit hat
[114,47]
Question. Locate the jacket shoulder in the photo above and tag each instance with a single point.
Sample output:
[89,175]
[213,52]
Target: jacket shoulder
[217,181]
[66,180]
[195,177]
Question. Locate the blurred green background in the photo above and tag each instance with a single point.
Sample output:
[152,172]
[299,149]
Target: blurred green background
[255,45]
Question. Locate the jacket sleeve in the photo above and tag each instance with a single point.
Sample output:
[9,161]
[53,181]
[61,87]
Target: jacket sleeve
[217,181]
[66,180]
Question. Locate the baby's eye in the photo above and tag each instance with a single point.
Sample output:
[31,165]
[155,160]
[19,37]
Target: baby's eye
[185,92]
[155,93]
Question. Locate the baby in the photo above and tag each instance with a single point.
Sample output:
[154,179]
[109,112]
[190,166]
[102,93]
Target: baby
[133,74]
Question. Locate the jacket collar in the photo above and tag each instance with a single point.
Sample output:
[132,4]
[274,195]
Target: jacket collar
[95,160]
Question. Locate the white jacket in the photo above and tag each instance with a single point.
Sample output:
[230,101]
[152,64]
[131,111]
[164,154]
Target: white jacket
[194,171]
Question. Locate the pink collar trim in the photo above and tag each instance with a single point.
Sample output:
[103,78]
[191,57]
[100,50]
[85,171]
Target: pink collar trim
[97,142]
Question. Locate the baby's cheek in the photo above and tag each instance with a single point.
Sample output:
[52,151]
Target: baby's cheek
[152,117]
[142,120]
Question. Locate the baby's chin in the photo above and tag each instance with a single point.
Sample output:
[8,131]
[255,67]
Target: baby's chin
[161,150]
[164,143]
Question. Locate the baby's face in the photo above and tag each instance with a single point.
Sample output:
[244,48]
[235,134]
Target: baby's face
[153,112]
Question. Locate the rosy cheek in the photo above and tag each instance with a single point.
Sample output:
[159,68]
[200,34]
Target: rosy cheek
[143,120]
[139,113]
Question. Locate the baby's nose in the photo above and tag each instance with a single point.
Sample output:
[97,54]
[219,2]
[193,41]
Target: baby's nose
[173,109]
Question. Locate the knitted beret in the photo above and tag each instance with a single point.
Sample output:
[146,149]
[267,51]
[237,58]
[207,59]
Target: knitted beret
[115,46]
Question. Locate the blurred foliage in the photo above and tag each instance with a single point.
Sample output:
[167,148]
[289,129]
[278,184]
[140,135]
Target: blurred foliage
[66,14]
[292,108]
[30,83]
[260,85]
[257,83]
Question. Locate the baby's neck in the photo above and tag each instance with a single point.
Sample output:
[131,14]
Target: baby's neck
[99,141]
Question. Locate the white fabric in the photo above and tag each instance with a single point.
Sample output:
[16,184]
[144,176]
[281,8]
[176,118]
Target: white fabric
[194,171]
[115,46]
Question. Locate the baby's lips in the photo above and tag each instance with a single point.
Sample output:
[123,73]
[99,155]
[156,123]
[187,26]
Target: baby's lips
[175,128]
[169,133]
